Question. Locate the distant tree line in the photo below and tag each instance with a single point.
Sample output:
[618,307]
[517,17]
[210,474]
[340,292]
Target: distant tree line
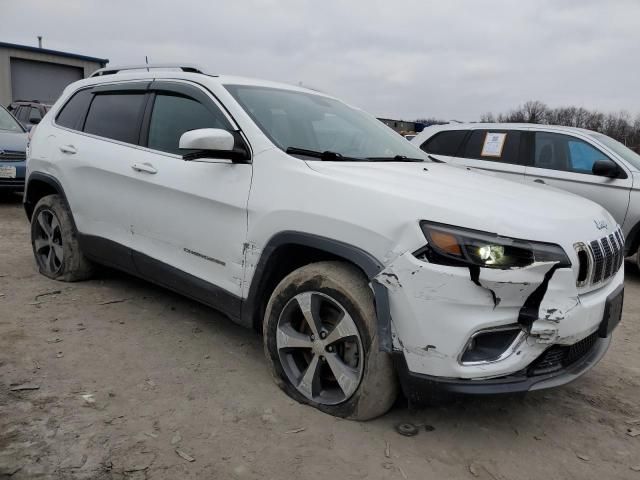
[616,125]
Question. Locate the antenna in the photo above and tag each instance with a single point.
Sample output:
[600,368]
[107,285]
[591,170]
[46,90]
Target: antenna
[146,61]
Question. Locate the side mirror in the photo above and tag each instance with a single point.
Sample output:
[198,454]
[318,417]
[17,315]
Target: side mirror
[34,121]
[207,139]
[214,143]
[605,168]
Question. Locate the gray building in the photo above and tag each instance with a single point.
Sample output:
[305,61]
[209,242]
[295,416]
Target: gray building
[32,73]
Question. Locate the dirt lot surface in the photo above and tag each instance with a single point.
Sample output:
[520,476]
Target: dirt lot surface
[115,378]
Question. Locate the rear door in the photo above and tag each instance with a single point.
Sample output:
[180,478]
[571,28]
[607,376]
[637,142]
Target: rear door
[495,151]
[189,215]
[565,162]
[96,148]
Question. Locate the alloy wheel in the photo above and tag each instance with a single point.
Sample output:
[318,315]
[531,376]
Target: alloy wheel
[47,242]
[320,348]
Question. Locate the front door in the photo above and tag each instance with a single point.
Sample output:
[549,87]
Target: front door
[565,162]
[189,215]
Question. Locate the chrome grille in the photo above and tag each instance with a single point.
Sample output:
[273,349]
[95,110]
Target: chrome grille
[603,258]
[10,155]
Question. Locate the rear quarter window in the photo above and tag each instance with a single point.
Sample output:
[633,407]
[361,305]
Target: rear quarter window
[445,143]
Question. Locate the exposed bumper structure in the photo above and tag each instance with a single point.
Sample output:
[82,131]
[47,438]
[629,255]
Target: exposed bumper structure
[438,311]
[421,388]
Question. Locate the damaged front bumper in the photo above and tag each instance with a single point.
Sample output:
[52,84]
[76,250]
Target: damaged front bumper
[437,311]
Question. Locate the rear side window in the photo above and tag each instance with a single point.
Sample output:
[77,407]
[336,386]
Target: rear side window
[445,143]
[116,116]
[494,145]
[73,112]
[174,115]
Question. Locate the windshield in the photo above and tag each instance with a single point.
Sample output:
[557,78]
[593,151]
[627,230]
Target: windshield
[626,153]
[7,122]
[299,120]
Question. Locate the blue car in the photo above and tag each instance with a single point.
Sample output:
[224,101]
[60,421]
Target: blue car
[13,147]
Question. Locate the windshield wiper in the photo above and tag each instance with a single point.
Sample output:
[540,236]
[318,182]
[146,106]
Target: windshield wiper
[327,155]
[396,158]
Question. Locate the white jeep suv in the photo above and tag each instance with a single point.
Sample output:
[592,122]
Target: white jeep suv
[364,264]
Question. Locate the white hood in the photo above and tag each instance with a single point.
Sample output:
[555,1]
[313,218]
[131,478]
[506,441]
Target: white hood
[457,196]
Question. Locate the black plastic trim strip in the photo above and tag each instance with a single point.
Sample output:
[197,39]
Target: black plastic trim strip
[113,254]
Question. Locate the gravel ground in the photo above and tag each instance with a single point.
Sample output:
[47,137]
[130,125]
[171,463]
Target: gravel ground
[131,381]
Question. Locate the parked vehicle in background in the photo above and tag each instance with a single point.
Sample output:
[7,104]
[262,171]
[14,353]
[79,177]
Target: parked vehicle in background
[579,161]
[359,259]
[13,145]
[29,112]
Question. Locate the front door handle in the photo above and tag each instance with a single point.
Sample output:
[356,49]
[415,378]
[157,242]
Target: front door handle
[70,149]
[144,167]
[539,180]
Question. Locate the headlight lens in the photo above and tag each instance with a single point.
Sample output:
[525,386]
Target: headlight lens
[457,246]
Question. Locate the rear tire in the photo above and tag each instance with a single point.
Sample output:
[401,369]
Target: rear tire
[55,243]
[337,334]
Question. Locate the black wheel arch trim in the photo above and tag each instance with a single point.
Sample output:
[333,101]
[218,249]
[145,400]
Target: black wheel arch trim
[359,257]
[49,180]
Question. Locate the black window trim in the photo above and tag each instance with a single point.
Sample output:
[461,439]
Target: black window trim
[165,83]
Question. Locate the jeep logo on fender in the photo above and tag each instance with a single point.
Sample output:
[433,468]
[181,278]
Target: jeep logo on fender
[600,224]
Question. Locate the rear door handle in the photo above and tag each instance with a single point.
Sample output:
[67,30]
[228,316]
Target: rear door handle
[144,167]
[539,180]
[70,149]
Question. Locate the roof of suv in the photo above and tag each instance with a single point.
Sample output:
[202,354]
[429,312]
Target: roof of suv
[192,73]
[506,126]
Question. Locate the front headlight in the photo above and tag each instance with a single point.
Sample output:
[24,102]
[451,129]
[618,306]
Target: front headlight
[448,245]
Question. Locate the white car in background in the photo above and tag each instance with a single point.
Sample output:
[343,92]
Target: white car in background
[579,161]
[359,259]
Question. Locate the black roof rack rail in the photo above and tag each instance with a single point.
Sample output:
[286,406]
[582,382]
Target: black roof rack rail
[147,67]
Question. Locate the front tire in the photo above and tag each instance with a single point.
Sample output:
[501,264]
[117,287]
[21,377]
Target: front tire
[321,342]
[55,244]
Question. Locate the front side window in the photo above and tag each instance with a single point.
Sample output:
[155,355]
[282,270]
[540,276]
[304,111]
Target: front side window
[72,113]
[174,115]
[8,123]
[447,142]
[116,116]
[564,152]
[494,145]
[302,120]
[626,153]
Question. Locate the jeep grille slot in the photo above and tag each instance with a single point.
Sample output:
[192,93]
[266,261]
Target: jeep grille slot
[600,260]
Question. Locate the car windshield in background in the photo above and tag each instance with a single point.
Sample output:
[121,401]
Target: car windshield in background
[7,122]
[298,121]
[625,152]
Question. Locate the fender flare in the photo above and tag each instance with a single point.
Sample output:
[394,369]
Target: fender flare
[359,257]
[44,178]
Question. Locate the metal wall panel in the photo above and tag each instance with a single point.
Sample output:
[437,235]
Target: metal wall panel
[44,81]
